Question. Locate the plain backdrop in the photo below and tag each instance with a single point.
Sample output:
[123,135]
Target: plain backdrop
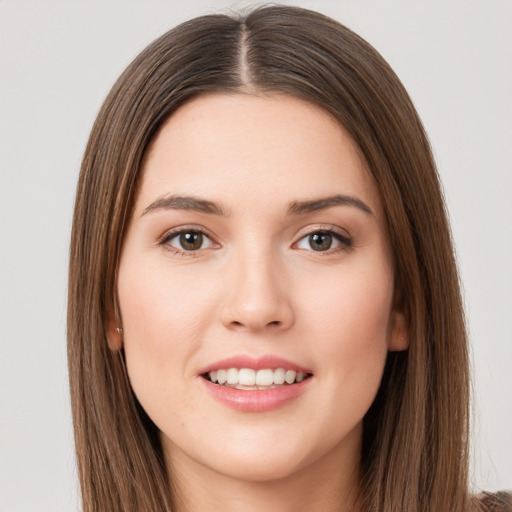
[57,62]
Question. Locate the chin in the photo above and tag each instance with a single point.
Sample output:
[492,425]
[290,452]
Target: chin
[251,458]
[259,469]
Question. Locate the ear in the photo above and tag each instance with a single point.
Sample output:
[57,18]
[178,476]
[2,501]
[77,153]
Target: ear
[114,330]
[399,336]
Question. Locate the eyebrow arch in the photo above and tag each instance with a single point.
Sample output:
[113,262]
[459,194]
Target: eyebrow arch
[300,207]
[192,203]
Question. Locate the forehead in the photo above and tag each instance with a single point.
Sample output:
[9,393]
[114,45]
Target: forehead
[242,148]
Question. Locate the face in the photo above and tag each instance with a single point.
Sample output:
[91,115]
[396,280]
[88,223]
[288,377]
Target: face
[256,288]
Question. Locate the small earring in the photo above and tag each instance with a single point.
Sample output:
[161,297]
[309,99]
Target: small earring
[119,330]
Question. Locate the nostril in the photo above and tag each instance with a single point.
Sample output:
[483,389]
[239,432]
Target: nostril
[274,323]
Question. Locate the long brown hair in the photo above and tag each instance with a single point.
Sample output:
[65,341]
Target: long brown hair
[416,432]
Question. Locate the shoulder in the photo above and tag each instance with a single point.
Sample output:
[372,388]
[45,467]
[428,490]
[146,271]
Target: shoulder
[493,502]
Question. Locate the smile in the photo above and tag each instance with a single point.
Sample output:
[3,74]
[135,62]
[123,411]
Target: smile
[250,379]
[255,384]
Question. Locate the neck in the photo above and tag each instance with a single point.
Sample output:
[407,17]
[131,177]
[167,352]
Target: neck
[329,484]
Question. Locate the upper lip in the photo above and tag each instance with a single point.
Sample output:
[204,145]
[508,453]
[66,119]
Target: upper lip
[256,363]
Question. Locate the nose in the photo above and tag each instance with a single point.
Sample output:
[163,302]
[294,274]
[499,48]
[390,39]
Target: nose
[257,298]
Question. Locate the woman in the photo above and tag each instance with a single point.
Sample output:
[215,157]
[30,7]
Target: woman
[257,314]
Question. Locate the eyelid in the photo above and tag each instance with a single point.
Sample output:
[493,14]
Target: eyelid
[172,233]
[313,228]
[341,235]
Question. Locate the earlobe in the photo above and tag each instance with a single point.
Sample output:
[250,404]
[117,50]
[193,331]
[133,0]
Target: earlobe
[114,331]
[399,332]
[399,335]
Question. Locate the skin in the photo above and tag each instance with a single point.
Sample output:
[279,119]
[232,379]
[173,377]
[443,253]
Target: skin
[257,287]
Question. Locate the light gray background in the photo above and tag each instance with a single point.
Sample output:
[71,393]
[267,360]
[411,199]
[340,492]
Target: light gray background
[57,62]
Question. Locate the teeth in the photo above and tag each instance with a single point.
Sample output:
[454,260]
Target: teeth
[232,376]
[279,376]
[247,378]
[290,376]
[265,377]
[221,376]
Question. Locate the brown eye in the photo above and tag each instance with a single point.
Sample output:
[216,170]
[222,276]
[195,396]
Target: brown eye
[188,241]
[191,241]
[320,241]
[323,241]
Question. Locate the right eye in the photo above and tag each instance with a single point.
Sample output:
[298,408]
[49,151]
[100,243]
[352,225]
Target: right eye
[187,240]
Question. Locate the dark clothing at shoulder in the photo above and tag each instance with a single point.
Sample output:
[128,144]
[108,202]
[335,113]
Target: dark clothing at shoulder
[494,502]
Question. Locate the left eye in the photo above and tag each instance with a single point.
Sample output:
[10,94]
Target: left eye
[188,241]
[321,241]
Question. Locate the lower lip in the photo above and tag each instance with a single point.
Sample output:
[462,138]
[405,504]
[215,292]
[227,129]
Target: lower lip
[256,400]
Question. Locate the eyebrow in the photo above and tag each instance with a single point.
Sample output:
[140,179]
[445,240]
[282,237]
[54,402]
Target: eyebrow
[191,203]
[300,207]
[185,203]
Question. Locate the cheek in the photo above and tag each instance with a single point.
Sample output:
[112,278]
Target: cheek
[349,317]
[156,300]
[164,317]
[161,303]
[353,303]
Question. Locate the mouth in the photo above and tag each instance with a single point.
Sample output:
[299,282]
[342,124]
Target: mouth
[255,384]
[249,379]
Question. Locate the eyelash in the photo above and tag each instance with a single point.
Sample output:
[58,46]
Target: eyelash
[164,241]
[344,240]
